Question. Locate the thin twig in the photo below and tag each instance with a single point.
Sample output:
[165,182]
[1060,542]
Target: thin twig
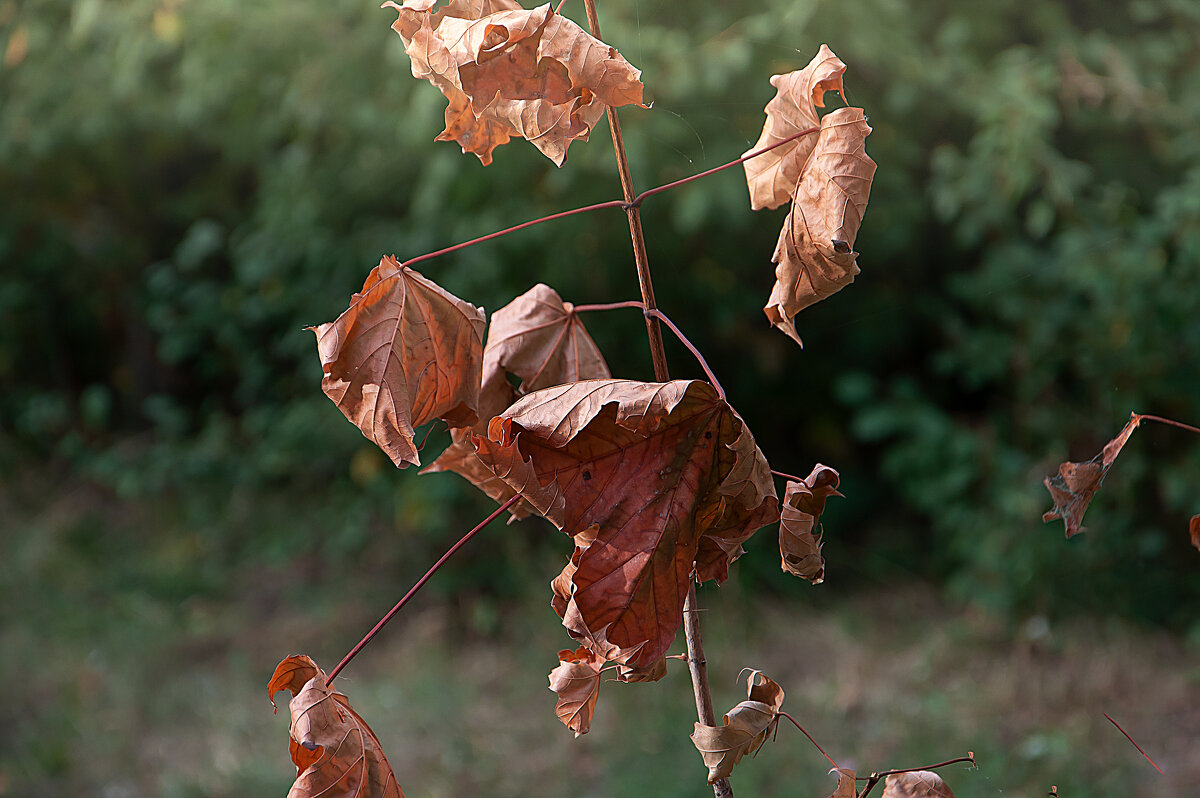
[420,583]
[875,778]
[786,476]
[809,736]
[1130,739]
[1142,417]
[658,314]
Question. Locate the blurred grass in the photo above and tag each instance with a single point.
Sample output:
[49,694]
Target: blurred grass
[132,673]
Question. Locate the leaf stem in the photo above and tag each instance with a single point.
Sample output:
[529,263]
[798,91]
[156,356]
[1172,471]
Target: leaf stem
[809,736]
[788,477]
[874,778]
[1130,739]
[658,314]
[1143,417]
[415,588]
[632,303]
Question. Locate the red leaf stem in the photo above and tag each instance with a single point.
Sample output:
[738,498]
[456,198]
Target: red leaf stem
[1127,737]
[809,736]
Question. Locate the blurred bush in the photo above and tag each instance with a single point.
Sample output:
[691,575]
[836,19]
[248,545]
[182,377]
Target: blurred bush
[185,186]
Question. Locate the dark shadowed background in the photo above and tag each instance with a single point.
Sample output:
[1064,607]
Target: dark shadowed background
[185,186]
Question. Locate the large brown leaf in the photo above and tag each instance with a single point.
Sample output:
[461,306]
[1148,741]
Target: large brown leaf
[336,754]
[539,339]
[772,177]
[815,252]
[744,729]
[508,71]
[916,784]
[405,352]
[657,468]
[803,503]
[1073,487]
[576,680]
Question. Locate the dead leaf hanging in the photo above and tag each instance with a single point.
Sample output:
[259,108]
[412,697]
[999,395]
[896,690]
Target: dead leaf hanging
[576,680]
[508,71]
[916,784]
[745,727]
[815,254]
[656,468]
[405,352]
[1073,487]
[845,786]
[336,754]
[772,177]
[803,503]
[539,339]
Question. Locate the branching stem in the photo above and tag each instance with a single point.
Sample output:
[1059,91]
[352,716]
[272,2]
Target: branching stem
[875,778]
[415,588]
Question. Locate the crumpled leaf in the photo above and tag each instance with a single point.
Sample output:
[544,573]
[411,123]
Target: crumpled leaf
[335,752]
[657,468]
[916,784]
[745,727]
[845,785]
[405,352]
[803,503]
[1073,487]
[508,71]
[577,682]
[771,177]
[815,254]
[539,339]
[650,673]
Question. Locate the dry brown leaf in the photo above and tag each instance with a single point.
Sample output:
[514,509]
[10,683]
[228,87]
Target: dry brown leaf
[916,784]
[815,253]
[577,682]
[1073,487]
[539,339]
[335,752]
[845,785]
[803,503]
[745,727]
[651,673]
[772,177]
[405,352]
[656,467]
[508,71]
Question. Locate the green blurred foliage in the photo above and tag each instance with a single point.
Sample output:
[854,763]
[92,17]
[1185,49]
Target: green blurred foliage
[185,186]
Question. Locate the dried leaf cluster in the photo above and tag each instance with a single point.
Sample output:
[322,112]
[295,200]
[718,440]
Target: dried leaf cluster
[826,175]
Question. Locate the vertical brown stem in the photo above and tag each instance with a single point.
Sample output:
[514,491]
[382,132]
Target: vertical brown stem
[697,665]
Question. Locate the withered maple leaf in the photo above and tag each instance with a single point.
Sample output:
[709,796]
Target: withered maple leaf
[803,503]
[655,469]
[845,786]
[336,754]
[815,254]
[508,71]
[539,339]
[916,784]
[772,177]
[744,728]
[576,680]
[405,352]
[1073,487]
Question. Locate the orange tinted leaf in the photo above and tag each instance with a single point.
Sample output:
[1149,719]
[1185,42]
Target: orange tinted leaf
[772,176]
[845,785]
[803,503]
[1194,530]
[577,682]
[1073,487]
[335,752]
[815,253]
[745,727]
[916,784]
[657,468]
[508,71]
[405,352]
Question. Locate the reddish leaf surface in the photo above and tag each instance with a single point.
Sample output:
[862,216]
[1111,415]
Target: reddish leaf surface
[745,727]
[405,352]
[663,471]
[1194,530]
[539,339]
[772,177]
[815,254]
[1073,487]
[509,71]
[576,680]
[803,503]
[916,784]
[336,754]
